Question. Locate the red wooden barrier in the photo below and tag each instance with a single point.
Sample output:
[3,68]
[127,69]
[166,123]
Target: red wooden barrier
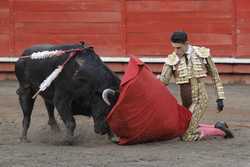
[125,26]
[122,27]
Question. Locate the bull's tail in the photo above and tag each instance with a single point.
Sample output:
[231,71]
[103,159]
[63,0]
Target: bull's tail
[20,75]
[19,69]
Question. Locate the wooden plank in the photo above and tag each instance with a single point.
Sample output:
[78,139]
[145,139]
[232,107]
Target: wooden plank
[210,38]
[4,44]
[65,5]
[243,17]
[147,38]
[243,34]
[4,28]
[165,48]
[219,50]
[234,28]
[64,28]
[7,76]
[58,38]
[243,51]
[124,26]
[4,4]
[154,26]
[224,68]
[197,17]
[239,78]
[117,67]
[161,38]
[149,50]
[242,69]
[4,16]
[107,44]
[243,39]
[11,27]
[68,17]
[180,5]
[243,28]
[150,24]
[7,67]
[243,5]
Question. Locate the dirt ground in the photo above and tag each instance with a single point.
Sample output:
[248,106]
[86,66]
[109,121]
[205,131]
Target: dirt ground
[91,150]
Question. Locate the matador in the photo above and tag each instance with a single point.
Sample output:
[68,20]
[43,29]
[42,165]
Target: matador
[190,65]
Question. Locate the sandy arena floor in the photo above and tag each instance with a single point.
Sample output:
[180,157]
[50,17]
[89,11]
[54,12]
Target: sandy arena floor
[92,150]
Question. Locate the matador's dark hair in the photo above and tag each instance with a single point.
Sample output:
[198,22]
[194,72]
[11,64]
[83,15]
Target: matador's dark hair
[179,37]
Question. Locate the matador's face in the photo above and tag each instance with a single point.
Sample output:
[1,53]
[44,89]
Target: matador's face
[180,48]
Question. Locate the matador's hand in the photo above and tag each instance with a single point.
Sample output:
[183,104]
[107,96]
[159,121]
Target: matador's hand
[220,104]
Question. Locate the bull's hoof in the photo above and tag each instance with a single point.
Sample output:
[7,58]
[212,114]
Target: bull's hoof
[24,140]
[69,140]
[113,138]
[55,128]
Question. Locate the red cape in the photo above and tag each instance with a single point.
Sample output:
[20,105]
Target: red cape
[146,110]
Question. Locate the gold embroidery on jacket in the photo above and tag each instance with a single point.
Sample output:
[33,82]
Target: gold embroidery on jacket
[200,63]
[187,70]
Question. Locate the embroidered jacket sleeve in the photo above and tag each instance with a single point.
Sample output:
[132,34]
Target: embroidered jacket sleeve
[166,74]
[204,53]
[216,78]
[168,68]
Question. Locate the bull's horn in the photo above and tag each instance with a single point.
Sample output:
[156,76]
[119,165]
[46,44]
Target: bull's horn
[105,95]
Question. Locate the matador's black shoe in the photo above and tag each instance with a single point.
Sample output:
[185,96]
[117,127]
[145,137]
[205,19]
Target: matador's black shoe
[224,127]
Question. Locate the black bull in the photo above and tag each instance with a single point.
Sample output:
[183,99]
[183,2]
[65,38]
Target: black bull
[84,87]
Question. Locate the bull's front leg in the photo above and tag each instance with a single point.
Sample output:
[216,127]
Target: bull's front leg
[63,104]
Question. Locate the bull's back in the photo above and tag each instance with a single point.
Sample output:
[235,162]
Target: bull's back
[37,69]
